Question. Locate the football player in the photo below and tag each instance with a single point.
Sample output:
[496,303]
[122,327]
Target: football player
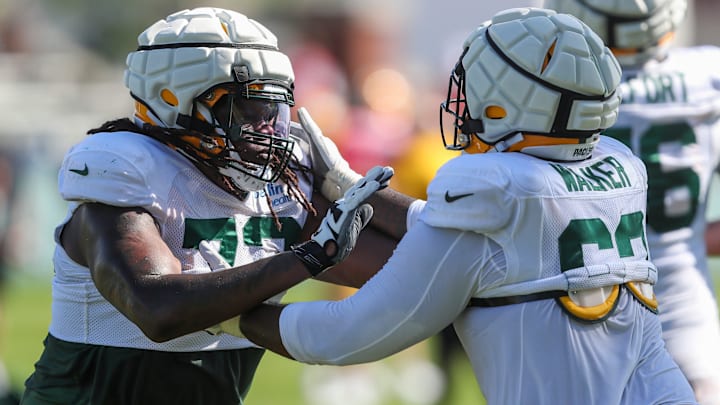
[190,213]
[670,118]
[532,241]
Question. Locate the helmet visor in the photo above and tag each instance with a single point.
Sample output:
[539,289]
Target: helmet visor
[255,131]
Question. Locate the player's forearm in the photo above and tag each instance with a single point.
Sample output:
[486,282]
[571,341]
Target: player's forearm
[174,305]
[261,326]
[391,208]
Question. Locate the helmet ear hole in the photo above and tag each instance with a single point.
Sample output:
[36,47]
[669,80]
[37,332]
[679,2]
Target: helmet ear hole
[169,97]
[495,112]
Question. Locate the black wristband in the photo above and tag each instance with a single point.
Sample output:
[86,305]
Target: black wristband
[313,256]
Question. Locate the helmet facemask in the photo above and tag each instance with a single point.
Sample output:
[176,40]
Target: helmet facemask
[455,107]
[246,129]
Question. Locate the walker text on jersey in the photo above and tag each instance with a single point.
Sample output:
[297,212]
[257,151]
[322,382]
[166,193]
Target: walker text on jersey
[606,174]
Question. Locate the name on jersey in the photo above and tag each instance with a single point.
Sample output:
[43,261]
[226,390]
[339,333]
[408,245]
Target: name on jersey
[654,89]
[606,174]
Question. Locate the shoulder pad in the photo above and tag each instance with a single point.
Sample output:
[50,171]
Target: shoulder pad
[110,168]
[470,193]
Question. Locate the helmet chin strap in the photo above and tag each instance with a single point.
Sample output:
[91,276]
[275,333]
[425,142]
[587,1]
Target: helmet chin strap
[505,144]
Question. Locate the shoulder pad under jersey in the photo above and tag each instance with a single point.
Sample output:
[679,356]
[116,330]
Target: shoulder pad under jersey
[112,168]
[471,192]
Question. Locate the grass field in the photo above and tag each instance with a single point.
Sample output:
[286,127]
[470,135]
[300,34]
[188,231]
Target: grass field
[279,381]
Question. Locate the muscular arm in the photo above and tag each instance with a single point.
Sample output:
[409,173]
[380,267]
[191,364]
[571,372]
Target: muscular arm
[391,208]
[421,290]
[371,253]
[377,241]
[134,270]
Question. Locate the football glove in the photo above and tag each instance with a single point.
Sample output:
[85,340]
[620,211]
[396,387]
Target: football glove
[329,167]
[337,234]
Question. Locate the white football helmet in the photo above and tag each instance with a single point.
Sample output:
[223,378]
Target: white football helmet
[533,81]
[635,30]
[219,79]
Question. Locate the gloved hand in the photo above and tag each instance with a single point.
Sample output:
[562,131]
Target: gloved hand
[217,262]
[329,167]
[337,235]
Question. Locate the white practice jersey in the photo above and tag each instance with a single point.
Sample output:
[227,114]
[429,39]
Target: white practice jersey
[670,117]
[506,224]
[561,226]
[132,170]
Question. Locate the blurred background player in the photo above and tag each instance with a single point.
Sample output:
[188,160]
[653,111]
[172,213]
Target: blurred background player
[670,118]
[531,242]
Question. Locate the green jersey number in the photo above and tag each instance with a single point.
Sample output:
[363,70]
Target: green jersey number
[254,232]
[661,182]
[581,232]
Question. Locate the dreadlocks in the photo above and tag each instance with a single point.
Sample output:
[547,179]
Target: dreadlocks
[177,139]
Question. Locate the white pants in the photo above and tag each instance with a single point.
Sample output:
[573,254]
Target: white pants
[533,353]
[691,329]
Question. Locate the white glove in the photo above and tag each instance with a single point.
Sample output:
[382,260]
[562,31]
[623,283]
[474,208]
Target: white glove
[342,223]
[217,262]
[329,167]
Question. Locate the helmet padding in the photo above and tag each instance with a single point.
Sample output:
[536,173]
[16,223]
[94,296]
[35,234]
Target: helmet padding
[548,73]
[191,51]
[637,31]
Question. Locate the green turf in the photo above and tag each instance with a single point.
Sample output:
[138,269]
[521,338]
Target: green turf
[279,381]
[26,311]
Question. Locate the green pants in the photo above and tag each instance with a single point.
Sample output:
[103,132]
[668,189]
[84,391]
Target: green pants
[74,373]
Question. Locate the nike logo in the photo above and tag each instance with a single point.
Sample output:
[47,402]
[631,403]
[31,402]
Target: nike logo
[337,213]
[451,198]
[83,172]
